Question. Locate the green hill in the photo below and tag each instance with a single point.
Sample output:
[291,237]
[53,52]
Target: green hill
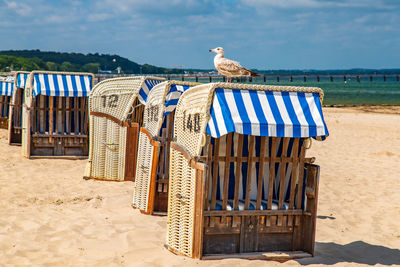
[55,61]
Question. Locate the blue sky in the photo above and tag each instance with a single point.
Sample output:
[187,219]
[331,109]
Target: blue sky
[262,34]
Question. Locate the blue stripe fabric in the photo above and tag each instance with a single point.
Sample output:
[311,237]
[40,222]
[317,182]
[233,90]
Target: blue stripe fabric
[145,89]
[61,84]
[266,113]
[21,80]
[172,98]
[6,88]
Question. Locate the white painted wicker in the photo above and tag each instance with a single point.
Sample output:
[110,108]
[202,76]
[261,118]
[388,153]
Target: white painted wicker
[197,101]
[107,148]
[153,120]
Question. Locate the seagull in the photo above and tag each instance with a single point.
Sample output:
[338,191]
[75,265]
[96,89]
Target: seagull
[230,68]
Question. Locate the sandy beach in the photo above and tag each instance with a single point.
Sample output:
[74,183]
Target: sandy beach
[50,216]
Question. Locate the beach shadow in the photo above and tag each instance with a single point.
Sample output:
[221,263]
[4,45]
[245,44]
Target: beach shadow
[355,252]
[323,217]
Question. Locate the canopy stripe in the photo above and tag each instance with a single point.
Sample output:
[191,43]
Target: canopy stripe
[61,85]
[266,113]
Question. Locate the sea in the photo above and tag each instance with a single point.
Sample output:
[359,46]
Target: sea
[347,91]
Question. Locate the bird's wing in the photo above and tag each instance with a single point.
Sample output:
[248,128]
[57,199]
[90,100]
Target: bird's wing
[231,68]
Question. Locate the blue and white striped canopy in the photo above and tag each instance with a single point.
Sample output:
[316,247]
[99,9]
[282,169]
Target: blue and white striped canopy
[21,80]
[172,98]
[6,88]
[145,89]
[266,113]
[61,85]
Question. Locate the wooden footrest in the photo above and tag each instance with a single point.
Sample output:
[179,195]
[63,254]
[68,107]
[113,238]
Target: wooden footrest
[274,256]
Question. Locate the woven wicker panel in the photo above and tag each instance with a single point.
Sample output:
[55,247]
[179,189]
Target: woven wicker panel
[192,102]
[143,173]
[112,151]
[155,105]
[88,170]
[122,152]
[98,140]
[152,121]
[115,96]
[180,210]
[153,111]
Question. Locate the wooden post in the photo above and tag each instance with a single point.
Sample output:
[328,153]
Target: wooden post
[384,78]
[42,125]
[265,78]
[318,78]
[169,77]
[370,78]
[358,78]
[210,78]
[183,78]
[132,136]
[198,213]
[224,79]
[197,79]
[51,118]
[305,79]
[344,78]
[277,79]
[331,78]
[250,79]
[291,79]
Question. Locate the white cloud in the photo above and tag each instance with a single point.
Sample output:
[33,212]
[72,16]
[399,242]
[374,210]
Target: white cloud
[96,17]
[290,4]
[20,8]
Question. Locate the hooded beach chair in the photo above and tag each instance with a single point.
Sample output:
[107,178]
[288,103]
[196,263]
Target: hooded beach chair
[55,115]
[17,100]
[240,184]
[151,183]
[116,112]
[6,91]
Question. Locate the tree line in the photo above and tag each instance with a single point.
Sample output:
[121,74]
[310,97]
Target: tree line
[29,60]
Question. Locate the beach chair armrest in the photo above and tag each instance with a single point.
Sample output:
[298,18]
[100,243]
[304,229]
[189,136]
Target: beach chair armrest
[191,161]
[312,180]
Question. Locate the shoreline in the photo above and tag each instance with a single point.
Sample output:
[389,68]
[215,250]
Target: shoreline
[381,109]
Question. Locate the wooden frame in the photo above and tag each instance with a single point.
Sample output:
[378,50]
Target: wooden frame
[58,127]
[55,126]
[15,120]
[277,234]
[17,101]
[4,111]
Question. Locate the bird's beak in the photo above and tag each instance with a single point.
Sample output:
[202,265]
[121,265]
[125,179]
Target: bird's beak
[211,50]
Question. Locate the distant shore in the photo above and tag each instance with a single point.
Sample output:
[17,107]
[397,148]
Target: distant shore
[383,109]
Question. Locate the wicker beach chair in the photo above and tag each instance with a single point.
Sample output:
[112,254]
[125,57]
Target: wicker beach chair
[55,116]
[240,184]
[17,100]
[6,91]
[151,183]
[116,114]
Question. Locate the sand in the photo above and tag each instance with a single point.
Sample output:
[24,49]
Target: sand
[50,216]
